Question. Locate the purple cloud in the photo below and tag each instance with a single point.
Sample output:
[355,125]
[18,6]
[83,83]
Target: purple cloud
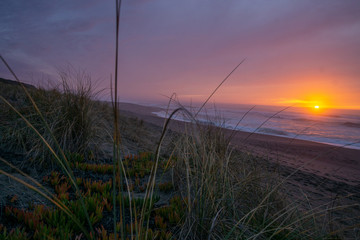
[186,46]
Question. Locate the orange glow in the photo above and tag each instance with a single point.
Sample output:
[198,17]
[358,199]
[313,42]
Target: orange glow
[304,91]
[317,109]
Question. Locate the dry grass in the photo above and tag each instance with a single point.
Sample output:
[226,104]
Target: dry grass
[227,195]
[76,120]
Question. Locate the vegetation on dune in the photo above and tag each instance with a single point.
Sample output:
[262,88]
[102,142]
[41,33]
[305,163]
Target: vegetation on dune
[200,189]
[203,190]
[79,122]
[76,120]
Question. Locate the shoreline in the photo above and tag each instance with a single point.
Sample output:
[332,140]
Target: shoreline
[350,145]
[325,160]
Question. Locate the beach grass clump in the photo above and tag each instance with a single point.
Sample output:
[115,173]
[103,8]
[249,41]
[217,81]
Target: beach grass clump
[217,193]
[231,195]
[75,118]
[205,181]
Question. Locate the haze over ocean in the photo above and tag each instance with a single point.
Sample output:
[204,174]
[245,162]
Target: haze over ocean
[336,126]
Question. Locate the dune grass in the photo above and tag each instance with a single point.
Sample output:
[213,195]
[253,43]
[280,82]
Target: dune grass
[213,192]
[74,119]
[217,193]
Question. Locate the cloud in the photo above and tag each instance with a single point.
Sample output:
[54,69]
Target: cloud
[296,101]
[186,46]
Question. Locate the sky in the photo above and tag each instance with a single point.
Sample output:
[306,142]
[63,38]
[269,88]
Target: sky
[297,52]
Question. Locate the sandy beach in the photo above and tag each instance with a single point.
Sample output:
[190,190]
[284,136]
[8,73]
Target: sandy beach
[314,175]
[335,163]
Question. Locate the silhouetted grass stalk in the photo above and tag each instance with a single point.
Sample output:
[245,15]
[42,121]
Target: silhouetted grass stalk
[117,162]
[208,184]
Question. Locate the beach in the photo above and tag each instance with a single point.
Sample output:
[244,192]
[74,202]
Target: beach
[308,177]
[154,120]
[332,162]
[313,175]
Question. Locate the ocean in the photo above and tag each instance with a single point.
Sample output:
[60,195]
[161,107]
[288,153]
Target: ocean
[331,126]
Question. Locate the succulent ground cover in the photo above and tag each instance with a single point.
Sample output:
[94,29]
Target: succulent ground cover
[95,182]
[197,188]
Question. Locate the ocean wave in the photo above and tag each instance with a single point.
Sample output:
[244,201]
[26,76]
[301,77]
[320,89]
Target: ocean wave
[333,116]
[351,124]
[305,120]
[273,131]
[337,130]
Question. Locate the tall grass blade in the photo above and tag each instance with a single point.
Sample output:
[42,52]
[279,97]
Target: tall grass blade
[203,105]
[268,119]
[116,148]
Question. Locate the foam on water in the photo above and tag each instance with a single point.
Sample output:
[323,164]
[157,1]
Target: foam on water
[335,127]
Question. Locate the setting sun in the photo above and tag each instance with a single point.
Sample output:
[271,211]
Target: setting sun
[317,107]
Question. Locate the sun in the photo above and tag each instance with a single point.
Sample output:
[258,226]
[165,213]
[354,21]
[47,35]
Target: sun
[316,108]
